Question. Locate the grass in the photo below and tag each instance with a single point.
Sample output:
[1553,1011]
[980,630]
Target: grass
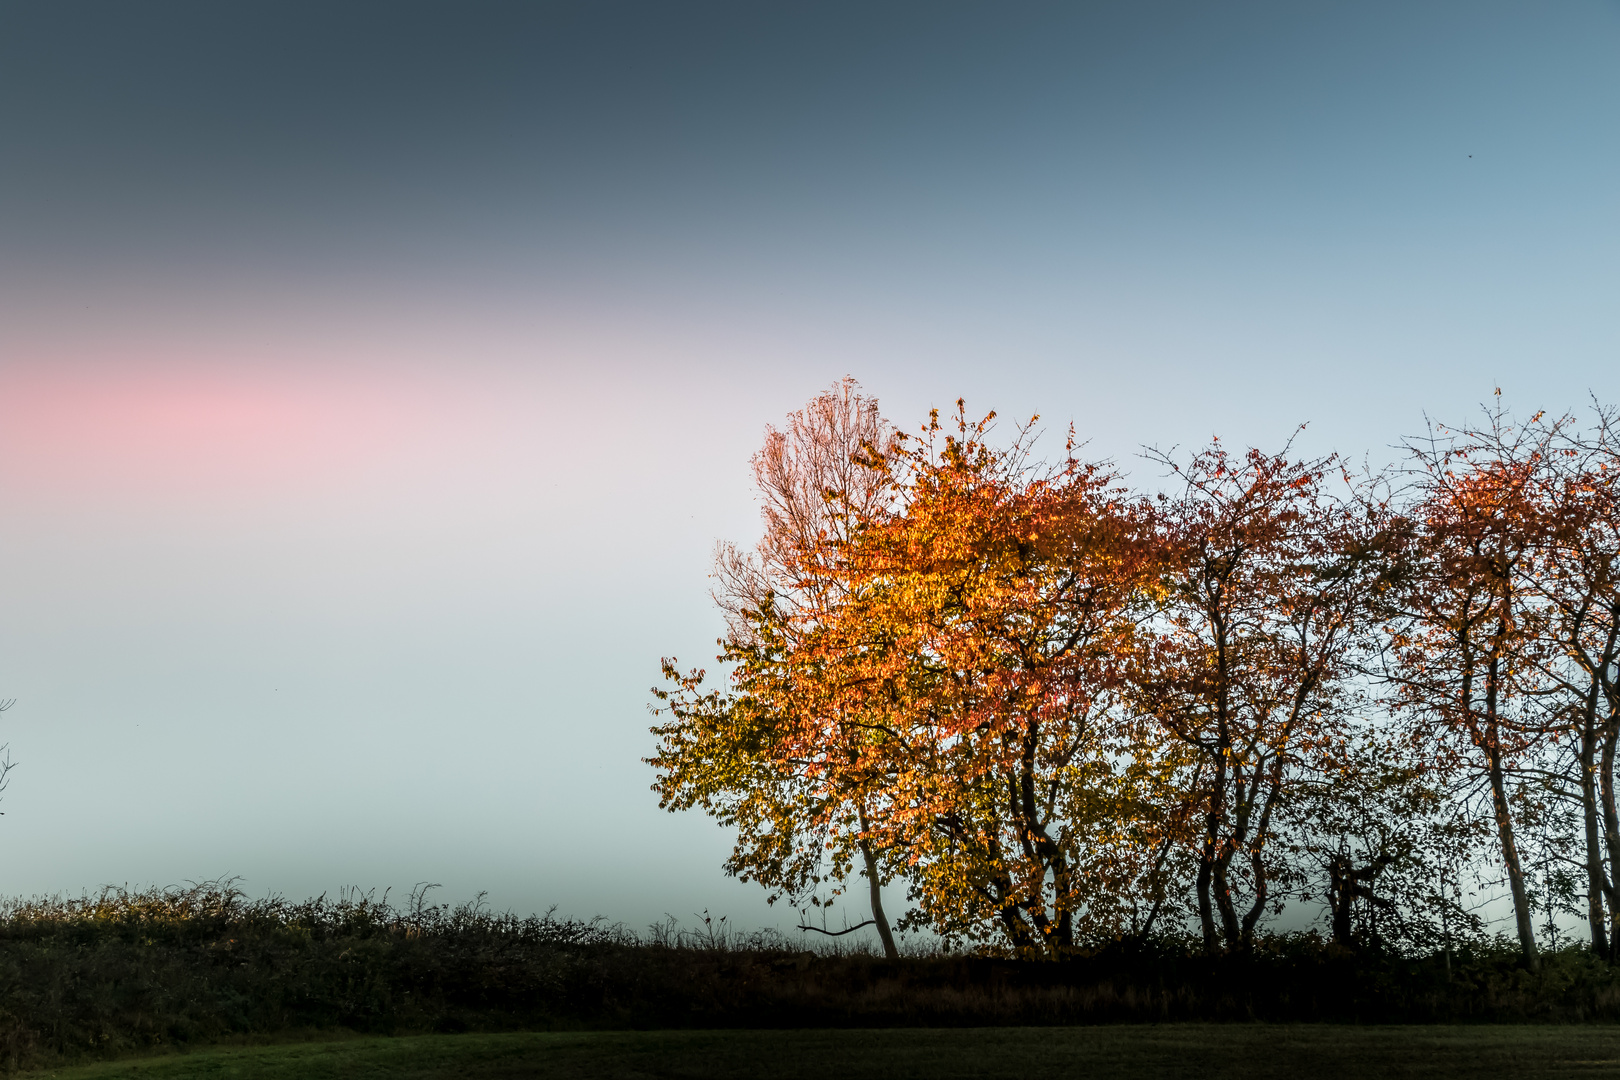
[1126,1052]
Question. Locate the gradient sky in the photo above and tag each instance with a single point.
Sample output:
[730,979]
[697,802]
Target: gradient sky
[376,378]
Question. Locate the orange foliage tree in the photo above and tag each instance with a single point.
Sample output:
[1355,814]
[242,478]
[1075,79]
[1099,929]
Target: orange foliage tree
[1268,585]
[1060,713]
[1578,583]
[994,605]
[948,699]
[1469,662]
[779,757]
[1519,538]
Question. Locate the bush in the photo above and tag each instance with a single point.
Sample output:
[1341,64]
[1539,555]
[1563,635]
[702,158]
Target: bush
[126,971]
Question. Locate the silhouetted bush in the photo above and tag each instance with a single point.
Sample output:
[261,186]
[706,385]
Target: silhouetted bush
[128,971]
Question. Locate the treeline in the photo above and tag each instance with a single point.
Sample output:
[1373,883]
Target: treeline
[1064,714]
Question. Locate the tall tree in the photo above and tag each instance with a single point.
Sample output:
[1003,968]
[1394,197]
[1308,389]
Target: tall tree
[1572,614]
[942,694]
[1267,586]
[995,601]
[1466,655]
[774,757]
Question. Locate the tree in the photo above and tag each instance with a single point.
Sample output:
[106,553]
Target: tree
[1571,588]
[929,676]
[1466,656]
[1584,581]
[992,607]
[1267,585]
[1386,839]
[745,757]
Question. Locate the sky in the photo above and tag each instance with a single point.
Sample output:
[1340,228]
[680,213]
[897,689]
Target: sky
[376,379]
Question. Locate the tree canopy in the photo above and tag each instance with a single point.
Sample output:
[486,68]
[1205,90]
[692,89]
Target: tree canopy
[1062,712]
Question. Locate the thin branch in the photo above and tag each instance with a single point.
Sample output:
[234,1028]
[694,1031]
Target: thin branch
[840,933]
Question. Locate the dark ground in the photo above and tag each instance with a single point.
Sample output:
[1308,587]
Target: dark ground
[121,975]
[1127,1052]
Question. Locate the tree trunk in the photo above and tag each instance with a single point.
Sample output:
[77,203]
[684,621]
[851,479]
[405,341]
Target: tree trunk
[1012,921]
[1596,880]
[875,882]
[1223,902]
[1242,798]
[1206,858]
[1262,882]
[1157,885]
[1206,910]
[1341,891]
[882,921]
[1611,834]
[1510,856]
[1492,745]
[1039,846]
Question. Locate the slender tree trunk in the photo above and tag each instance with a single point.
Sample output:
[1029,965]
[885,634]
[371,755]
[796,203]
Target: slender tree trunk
[1206,857]
[1157,885]
[1445,923]
[1596,881]
[1262,883]
[1341,891]
[1242,796]
[1223,902]
[1611,835]
[1206,909]
[1262,892]
[878,917]
[1607,730]
[1212,867]
[1510,857]
[1492,745]
[1039,846]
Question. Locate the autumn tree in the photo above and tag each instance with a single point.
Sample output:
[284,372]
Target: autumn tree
[995,603]
[774,756]
[925,670]
[1583,581]
[1061,713]
[1569,584]
[1468,660]
[1267,582]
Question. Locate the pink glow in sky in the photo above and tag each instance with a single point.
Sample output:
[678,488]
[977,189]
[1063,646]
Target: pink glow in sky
[176,430]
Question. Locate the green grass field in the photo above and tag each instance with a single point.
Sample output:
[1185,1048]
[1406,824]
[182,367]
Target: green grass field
[1311,1052]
